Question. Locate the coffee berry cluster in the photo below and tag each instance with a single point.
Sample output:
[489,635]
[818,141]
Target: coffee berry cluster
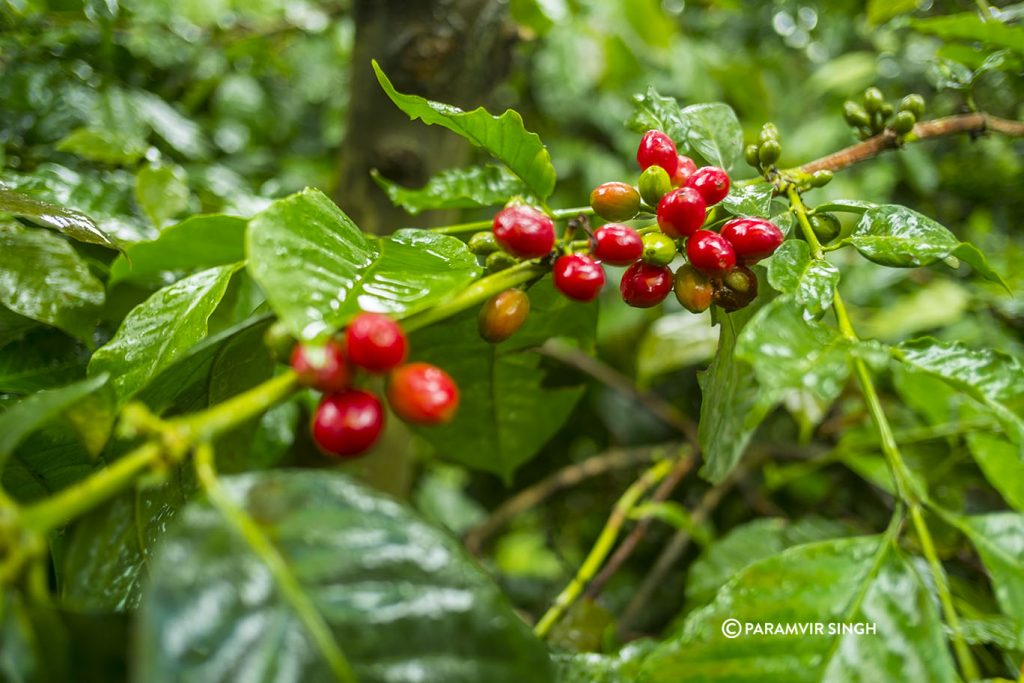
[348,420]
[873,115]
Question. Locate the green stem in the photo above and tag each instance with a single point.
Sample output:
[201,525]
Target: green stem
[266,551]
[602,547]
[905,487]
[477,293]
[220,418]
[963,653]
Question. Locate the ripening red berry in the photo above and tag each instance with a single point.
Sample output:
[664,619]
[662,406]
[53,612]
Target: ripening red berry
[502,315]
[617,244]
[323,368]
[615,201]
[681,212]
[423,394]
[685,170]
[524,232]
[752,238]
[375,342]
[348,423]
[578,276]
[712,182]
[658,149]
[693,289]
[710,253]
[644,285]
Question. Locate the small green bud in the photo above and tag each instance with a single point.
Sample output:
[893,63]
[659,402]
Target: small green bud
[855,115]
[913,103]
[769,152]
[820,178]
[483,243]
[659,249]
[903,123]
[750,154]
[826,227]
[499,260]
[654,184]
[873,100]
[769,132]
[279,341]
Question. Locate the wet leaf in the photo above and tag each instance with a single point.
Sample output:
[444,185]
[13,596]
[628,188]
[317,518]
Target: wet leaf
[812,282]
[457,188]
[74,224]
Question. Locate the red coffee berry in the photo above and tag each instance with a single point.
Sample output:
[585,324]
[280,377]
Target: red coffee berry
[712,183]
[658,149]
[644,285]
[681,212]
[615,201]
[579,277]
[502,315]
[693,289]
[710,253]
[617,244]
[348,423]
[685,170]
[752,238]
[323,368]
[524,232]
[423,393]
[375,342]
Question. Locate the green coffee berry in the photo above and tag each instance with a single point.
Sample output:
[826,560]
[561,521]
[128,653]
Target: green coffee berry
[913,103]
[279,341]
[855,114]
[820,178]
[903,122]
[826,227]
[654,184]
[659,249]
[499,260]
[769,151]
[769,132]
[750,154]
[873,100]
[483,243]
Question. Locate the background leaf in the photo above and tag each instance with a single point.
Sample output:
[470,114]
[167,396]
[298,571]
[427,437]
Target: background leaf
[711,130]
[398,595]
[456,188]
[999,538]
[161,190]
[504,137]
[74,224]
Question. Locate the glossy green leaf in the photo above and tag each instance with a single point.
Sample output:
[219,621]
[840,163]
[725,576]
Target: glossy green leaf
[591,667]
[1000,631]
[43,278]
[881,11]
[856,206]
[113,147]
[732,405]
[989,376]
[14,327]
[38,409]
[401,599]
[47,461]
[1001,464]
[43,360]
[749,200]
[999,538]
[183,135]
[318,270]
[513,399]
[161,329]
[161,190]
[457,188]
[197,242]
[789,353]
[747,544]
[971,27]
[812,282]
[504,137]
[858,580]
[675,341]
[711,130]
[74,224]
[896,236]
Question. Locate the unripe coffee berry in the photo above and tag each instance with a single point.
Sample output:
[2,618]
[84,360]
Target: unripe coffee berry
[423,394]
[483,243]
[524,232]
[711,182]
[752,239]
[658,149]
[685,170]
[347,423]
[615,201]
[499,261]
[903,122]
[769,152]
[826,227]
[821,178]
[659,249]
[913,103]
[617,244]
[375,342]
[681,212]
[736,290]
[855,115]
[769,131]
[693,289]
[750,155]
[873,99]
[503,314]
[644,285]
[279,341]
[654,184]
[710,253]
[578,277]
[323,368]
[886,109]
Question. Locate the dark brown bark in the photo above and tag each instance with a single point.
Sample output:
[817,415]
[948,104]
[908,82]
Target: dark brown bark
[453,51]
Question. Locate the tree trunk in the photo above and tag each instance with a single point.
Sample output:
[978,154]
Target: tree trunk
[453,51]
